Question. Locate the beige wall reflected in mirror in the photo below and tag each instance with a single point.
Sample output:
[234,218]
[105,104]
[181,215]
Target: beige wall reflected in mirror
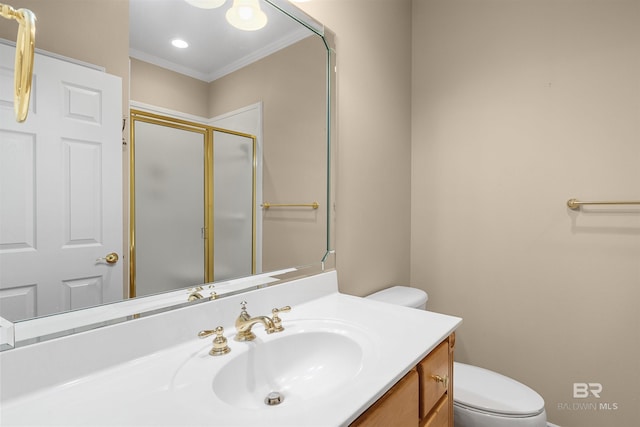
[290,87]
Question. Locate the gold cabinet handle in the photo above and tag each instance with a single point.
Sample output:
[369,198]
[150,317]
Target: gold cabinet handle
[111,258]
[443,380]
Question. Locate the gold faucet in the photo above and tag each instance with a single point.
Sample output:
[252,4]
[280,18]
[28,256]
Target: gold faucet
[244,323]
[196,295]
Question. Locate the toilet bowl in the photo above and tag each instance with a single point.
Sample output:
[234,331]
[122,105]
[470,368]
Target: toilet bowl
[481,398]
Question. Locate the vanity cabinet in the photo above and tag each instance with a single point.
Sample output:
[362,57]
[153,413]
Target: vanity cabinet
[398,407]
[422,398]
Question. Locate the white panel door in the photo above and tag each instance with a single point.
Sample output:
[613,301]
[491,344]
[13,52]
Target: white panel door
[60,190]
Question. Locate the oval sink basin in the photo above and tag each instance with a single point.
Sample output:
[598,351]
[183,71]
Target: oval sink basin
[298,367]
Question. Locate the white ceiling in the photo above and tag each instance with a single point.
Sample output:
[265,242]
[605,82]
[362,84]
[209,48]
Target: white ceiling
[215,47]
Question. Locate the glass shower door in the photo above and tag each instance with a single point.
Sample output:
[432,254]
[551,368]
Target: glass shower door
[169,207]
[234,201]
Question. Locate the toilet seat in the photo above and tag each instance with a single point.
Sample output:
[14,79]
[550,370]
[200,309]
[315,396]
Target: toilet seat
[485,391]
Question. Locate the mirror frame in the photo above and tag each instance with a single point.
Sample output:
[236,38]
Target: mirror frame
[31,331]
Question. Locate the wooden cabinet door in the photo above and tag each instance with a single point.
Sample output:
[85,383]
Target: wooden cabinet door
[397,408]
[439,417]
[434,377]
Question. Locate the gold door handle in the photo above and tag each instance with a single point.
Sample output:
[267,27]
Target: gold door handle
[444,380]
[111,258]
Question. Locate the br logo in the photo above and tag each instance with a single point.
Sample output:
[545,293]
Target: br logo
[584,390]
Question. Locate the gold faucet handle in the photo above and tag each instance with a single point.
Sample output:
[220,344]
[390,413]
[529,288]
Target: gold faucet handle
[206,333]
[277,321]
[220,345]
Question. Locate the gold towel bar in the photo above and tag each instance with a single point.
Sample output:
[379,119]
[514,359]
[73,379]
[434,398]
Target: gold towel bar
[25,47]
[313,205]
[575,203]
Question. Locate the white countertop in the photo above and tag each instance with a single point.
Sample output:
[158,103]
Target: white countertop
[149,390]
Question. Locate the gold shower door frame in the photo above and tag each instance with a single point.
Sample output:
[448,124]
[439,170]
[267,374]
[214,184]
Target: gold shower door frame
[209,232]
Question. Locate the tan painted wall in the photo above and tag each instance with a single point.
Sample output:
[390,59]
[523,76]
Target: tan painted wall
[164,88]
[373,39]
[291,86]
[517,107]
[506,96]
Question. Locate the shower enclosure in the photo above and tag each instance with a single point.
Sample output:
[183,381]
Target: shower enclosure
[193,204]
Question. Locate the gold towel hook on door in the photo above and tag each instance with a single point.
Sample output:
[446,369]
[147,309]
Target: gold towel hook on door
[25,48]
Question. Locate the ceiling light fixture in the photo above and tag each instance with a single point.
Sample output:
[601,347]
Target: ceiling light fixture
[179,43]
[206,4]
[246,15]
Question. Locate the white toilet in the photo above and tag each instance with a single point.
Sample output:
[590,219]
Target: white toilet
[481,398]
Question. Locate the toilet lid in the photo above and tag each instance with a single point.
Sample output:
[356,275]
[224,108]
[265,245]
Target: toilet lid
[401,295]
[489,391]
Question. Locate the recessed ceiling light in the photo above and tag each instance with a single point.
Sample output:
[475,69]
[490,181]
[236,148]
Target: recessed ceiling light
[180,44]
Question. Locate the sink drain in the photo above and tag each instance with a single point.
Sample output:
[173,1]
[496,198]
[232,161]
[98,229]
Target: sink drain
[274,398]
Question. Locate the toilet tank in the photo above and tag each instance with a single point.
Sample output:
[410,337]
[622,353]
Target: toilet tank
[402,295]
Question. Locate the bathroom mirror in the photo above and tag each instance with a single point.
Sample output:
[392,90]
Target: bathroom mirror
[284,136]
